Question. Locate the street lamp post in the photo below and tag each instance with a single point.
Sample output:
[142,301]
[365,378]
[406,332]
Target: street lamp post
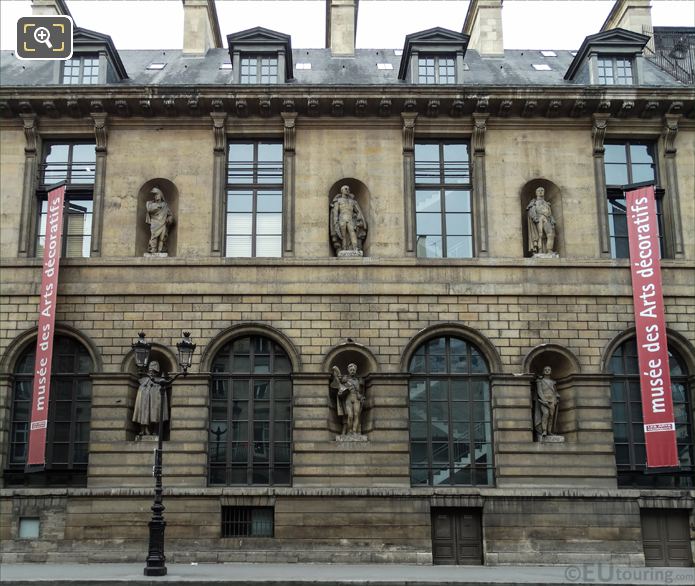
[156,561]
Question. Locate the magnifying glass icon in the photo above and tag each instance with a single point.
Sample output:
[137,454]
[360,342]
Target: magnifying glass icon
[41,35]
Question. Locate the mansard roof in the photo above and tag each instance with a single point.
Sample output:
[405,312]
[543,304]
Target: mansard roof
[85,40]
[433,38]
[617,40]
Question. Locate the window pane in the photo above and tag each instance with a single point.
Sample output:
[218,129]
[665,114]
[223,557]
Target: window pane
[240,201]
[270,152]
[269,201]
[616,174]
[458,201]
[458,224]
[430,246]
[268,223]
[427,201]
[238,246]
[239,224]
[429,224]
[459,247]
[615,153]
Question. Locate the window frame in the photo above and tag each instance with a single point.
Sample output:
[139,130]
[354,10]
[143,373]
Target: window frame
[72,472]
[442,186]
[437,65]
[614,193]
[427,376]
[75,192]
[228,378]
[256,59]
[602,60]
[633,474]
[255,186]
[81,58]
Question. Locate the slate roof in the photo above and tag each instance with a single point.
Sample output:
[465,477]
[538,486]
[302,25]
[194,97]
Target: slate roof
[514,69]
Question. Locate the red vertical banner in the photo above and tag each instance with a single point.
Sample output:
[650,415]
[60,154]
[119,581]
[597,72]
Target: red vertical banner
[652,346]
[53,243]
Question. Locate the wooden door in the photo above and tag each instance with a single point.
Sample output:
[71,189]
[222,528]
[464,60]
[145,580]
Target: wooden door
[666,538]
[457,536]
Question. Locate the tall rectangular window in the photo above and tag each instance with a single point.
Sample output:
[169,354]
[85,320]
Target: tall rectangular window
[628,162]
[254,199]
[444,220]
[436,70]
[81,70]
[259,69]
[74,163]
[614,71]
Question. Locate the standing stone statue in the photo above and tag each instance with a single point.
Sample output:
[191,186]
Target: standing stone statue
[348,225]
[159,216]
[546,403]
[541,225]
[350,399]
[147,402]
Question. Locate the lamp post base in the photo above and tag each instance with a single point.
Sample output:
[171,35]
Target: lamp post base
[156,571]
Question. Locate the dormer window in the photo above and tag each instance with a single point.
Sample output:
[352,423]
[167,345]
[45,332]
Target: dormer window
[439,69]
[433,57]
[259,69]
[260,56]
[81,70]
[614,71]
[611,57]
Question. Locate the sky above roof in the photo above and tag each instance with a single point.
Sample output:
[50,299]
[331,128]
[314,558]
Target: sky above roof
[527,24]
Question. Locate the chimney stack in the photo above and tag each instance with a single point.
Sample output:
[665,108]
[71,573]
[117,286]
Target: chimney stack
[484,26]
[201,29]
[632,15]
[341,27]
[49,8]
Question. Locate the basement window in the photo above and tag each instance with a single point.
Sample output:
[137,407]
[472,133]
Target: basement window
[541,67]
[29,527]
[247,521]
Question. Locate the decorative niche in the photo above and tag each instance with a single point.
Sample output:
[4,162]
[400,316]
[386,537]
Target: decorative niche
[362,196]
[553,195]
[142,232]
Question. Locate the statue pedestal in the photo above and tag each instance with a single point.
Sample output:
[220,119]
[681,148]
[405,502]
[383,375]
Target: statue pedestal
[146,438]
[545,255]
[350,254]
[551,439]
[156,255]
[351,437]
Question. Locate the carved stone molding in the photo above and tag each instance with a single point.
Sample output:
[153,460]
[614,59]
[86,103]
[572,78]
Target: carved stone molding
[219,120]
[337,108]
[433,108]
[505,108]
[670,132]
[650,109]
[482,105]
[361,107]
[410,105]
[289,106]
[479,128]
[553,108]
[25,107]
[264,107]
[385,106]
[578,108]
[290,126]
[96,106]
[217,105]
[49,107]
[146,107]
[170,106]
[242,108]
[409,119]
[5,110]
[122,108]
[626,108]
[193,106]
[598,132]
[456,108]
[529,108]
[31,133]
[100,132]
[604,106]
[73,107]
[676,108]
[312,107]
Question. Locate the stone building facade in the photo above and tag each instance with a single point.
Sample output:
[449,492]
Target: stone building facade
[447,315]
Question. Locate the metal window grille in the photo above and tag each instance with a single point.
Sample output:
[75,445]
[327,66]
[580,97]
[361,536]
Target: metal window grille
[247,522]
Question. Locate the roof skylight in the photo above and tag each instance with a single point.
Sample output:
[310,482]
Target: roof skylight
[541,67]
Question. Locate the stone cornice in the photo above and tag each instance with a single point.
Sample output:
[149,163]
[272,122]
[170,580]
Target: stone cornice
[347,101]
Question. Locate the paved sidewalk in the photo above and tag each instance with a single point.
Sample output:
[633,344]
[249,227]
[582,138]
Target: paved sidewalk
[340,575]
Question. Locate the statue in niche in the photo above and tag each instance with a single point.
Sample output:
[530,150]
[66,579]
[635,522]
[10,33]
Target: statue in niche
[350,400]
[546,406]
[159,216]
[148,402]
[348,225]
[541,226]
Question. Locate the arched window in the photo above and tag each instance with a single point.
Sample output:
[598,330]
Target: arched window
[628,425]
[450,417]
[250,429]
[69,407]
